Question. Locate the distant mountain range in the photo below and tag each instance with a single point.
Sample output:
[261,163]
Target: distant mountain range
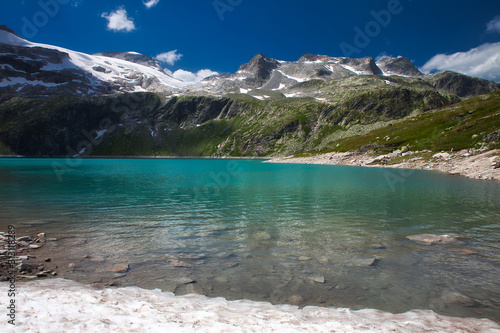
[51,96]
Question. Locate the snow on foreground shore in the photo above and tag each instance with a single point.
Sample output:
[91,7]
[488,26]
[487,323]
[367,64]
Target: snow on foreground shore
[57,305]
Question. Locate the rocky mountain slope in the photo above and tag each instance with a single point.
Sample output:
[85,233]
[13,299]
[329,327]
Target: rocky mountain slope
[58,102]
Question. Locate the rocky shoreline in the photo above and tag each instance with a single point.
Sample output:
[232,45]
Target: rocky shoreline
[20,256]
[472,163]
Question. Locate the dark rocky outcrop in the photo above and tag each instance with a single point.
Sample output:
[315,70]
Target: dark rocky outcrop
[461,85]
[366,65]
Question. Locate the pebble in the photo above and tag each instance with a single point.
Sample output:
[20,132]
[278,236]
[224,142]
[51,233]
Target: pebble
[302,258]
[36,246]
[179,263]
[465,251]
[318,279]
[119,268]
[261,236]
[364,262]
[295,299]
[231,264]
[186,280]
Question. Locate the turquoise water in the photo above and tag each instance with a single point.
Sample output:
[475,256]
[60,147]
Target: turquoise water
[282,233]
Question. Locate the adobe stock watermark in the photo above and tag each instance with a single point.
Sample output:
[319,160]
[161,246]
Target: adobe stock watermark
[48,9]
[364,36]
[397,176]
[93,139]
[219,181]
[12,272]
[223,6]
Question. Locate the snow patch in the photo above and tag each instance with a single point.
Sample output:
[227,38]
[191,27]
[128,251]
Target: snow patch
[293,78]
[133,309]
[281,87]
[20,80]
[100,133]
[115,69]
[83,150]
[355,71]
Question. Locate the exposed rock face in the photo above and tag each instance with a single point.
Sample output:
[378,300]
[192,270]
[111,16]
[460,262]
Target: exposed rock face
[260,67]
[134,57]
[462,85]
[28,71]
[6,28]
[365,65]
[398,66]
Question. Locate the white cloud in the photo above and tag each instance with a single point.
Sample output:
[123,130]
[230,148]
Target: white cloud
[493,25]
[150,3]
[169,57]
[482,62]
[119,21]
[383,55]
[193,77]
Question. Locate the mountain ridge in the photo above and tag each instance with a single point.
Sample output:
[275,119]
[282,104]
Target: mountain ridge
[54,102]
[77,73]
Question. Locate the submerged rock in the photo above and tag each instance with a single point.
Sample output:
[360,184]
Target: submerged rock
[231,264]
[430,239]
[458,298]
[465,251]
[179,263]
[318,279]
[261,235]
[295,299]
[119,268]
[364,262]
[186,280]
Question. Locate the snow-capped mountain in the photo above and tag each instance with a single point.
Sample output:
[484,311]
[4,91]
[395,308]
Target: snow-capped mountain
[28,68]
[271,74]
[33,69]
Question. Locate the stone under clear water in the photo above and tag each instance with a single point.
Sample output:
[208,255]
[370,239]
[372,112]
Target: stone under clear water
[287,234]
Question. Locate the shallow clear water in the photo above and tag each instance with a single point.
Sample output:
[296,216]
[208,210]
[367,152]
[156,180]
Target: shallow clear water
[283,233]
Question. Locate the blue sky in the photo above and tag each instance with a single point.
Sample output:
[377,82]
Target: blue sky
[222,34]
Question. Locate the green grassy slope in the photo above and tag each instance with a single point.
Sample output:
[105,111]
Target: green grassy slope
[460,126]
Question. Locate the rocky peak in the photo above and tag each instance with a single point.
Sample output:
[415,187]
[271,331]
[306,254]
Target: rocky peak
[9,30]
[398,66]
[260,66]
[308,57]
